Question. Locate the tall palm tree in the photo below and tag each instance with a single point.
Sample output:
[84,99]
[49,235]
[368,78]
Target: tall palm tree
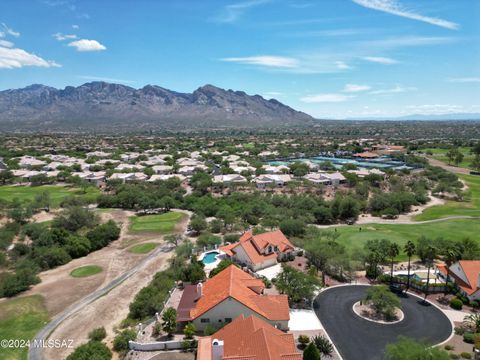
[431,254]
[393,252]
[410,251]
[450,255]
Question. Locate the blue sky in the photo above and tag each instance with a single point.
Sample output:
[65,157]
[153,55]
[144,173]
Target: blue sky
[329,58]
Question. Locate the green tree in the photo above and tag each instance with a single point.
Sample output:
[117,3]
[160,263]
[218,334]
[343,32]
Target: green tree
[297,285]
[222,265]
[431,254]
[393,251]
[198,223]
[189,331]
[409,249]
[311,352]
[93,350]
[382,300]
[409,349]
[169,319]
[450,255]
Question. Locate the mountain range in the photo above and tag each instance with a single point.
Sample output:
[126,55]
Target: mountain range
[107,106]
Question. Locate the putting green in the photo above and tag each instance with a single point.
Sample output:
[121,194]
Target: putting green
[84,271]
[162,223]
[142,248]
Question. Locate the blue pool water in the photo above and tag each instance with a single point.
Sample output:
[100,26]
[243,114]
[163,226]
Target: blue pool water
[210,257]
[339,162]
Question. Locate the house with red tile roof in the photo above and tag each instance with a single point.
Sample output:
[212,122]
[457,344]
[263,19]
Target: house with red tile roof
[259,251]
[227,295]
[248,338]
[466,275]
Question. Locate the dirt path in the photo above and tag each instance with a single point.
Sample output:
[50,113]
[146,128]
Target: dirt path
[79,305]
[454,169]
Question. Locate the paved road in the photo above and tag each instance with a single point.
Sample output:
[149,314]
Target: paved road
[35,353]
[360,339]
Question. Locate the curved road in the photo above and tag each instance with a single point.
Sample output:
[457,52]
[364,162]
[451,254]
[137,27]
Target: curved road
[35,353]
[360,339]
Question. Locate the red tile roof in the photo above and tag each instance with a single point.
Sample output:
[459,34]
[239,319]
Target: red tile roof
[471,268]
[250,338]
[237,284]
[255,244]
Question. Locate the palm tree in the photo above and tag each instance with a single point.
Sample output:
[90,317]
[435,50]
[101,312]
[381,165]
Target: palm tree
[431,254]
[450,255]
[393,252]
[410,251]
[473,320]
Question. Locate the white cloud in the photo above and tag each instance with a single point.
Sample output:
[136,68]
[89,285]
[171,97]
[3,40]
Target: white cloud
[465,80]
[61,37]
[381,60]
[342,65]
[396,42]
[106,79]
[6,43]
[325,98]
[87,45]
[76,27]
[397,89]
[393,7]
[12,58]
[233,12]
[356,88]
[9,31]
[265,60]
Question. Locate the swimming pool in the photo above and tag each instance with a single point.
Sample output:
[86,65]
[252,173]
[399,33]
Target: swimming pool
[210,257]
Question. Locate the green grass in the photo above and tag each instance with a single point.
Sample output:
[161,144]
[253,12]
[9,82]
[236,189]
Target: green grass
[455,208]
[142,248]
[21,318]
[84,271]
[57,193]
[454,229]
[439,154]
[162,223]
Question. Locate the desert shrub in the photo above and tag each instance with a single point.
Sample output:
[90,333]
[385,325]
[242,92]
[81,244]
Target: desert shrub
[91,350]
[456,304]
[209,330]
[303,340]
[449,347]
[466,355]
[120,342]
[469,337]
[97,334]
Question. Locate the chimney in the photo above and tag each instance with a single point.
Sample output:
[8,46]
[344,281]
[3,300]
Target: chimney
[199,290]
[217,349]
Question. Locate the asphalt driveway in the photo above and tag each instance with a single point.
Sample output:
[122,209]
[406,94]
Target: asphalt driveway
[359,339]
